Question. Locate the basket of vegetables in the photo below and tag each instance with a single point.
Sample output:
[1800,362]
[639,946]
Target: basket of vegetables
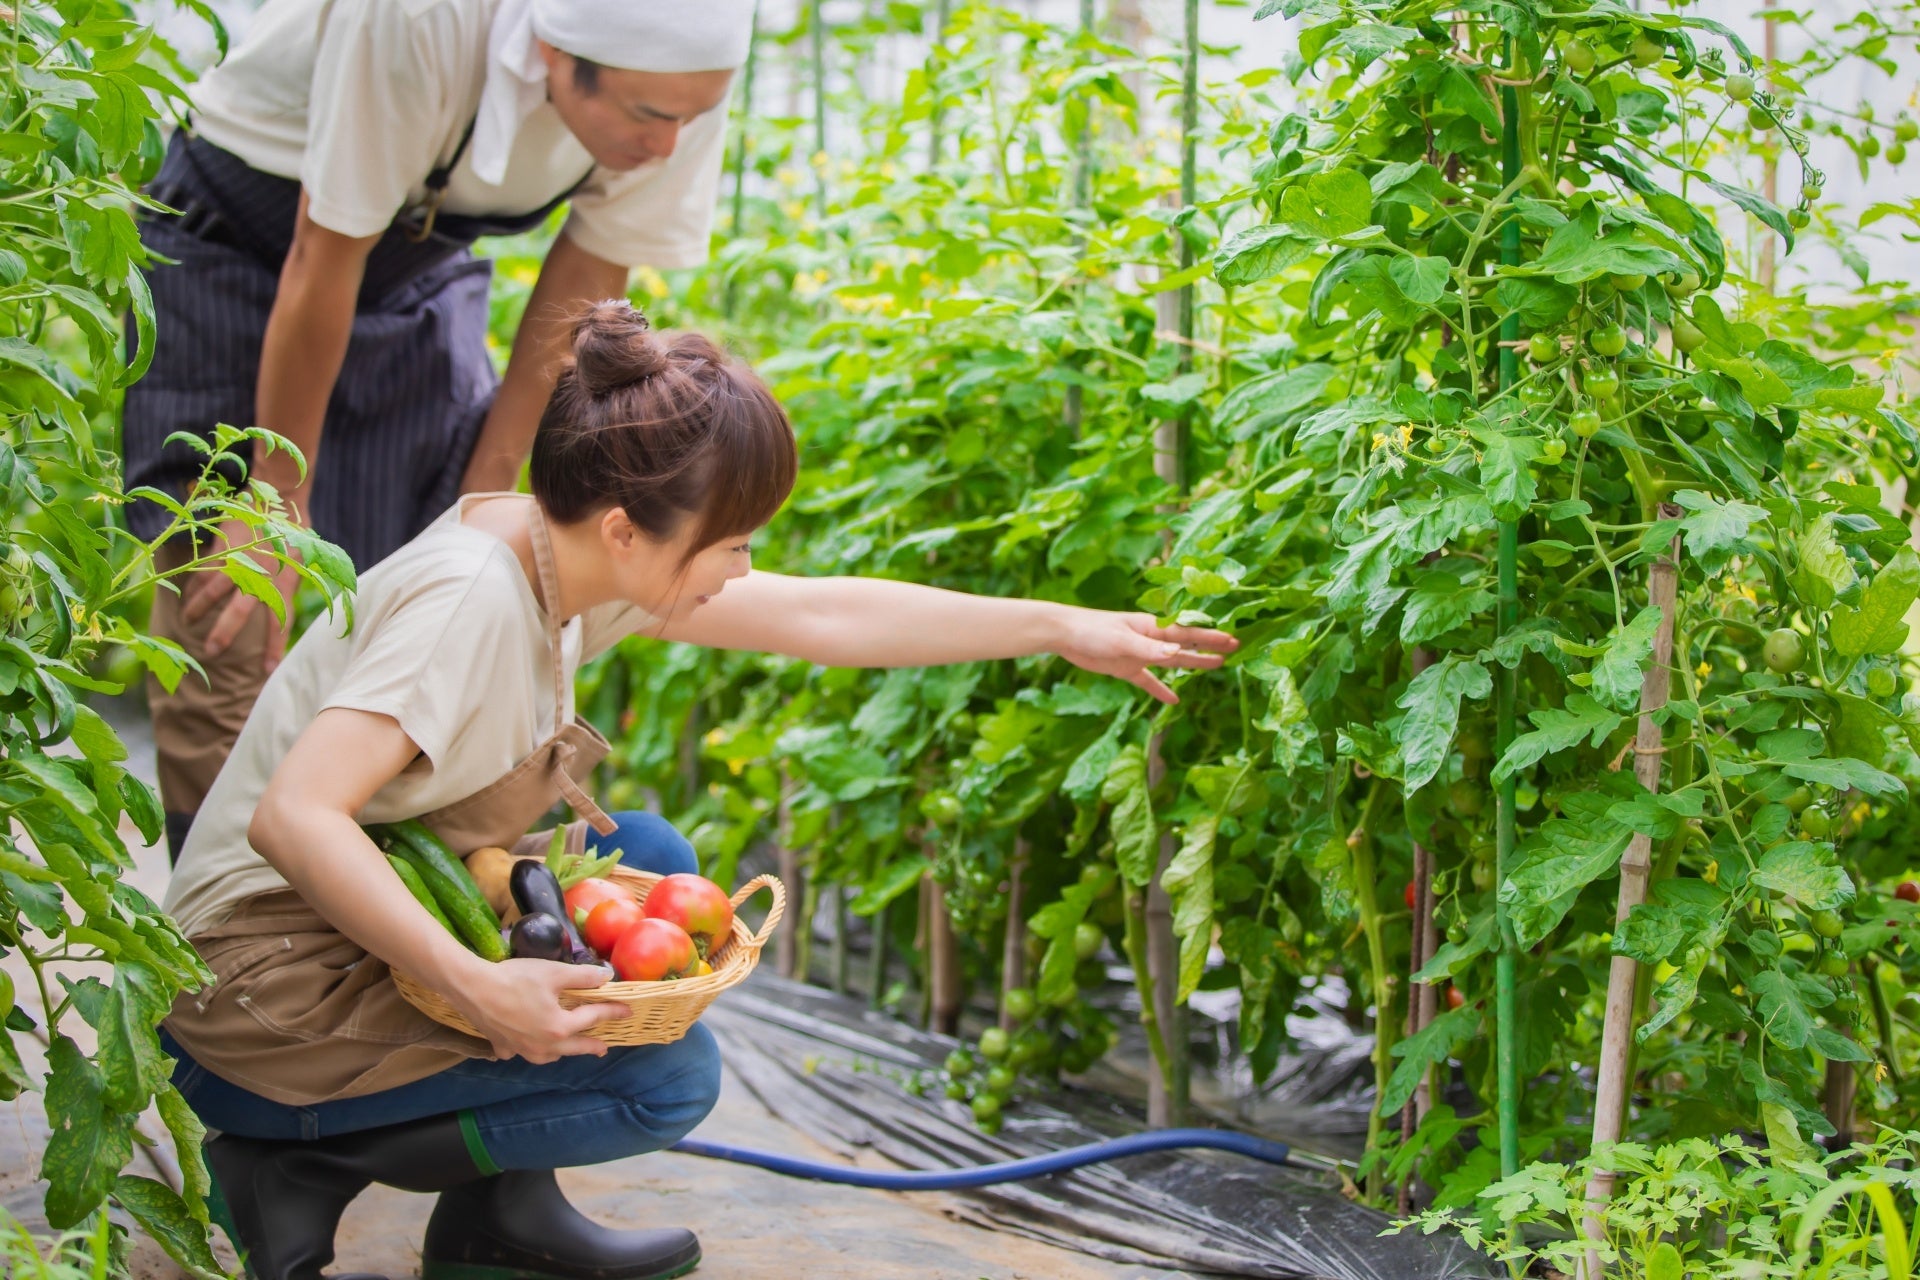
[674,943]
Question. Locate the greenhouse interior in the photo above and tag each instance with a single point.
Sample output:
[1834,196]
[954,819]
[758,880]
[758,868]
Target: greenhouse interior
[851,638]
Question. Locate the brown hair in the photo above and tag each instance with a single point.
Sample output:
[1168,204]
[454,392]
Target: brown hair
[665,426]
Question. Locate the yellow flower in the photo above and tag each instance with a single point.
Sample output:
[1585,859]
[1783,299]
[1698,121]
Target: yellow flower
[715,736]
[1379,440]
[1406,434]
[652,283]
[736,767]
[1704,670]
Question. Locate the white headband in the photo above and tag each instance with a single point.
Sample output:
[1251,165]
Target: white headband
[648,35]
[630,35]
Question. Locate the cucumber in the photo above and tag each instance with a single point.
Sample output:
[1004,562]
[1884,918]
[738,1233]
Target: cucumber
[447,879]
[418,888]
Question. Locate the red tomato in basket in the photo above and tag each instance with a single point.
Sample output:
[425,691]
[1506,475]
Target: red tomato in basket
[654,950]
[609,921]
[697,905]
[590,893]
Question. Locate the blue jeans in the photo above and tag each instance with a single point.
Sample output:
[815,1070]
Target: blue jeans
[579,1110]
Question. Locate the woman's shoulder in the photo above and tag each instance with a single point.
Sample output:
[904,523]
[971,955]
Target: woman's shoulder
[448,569]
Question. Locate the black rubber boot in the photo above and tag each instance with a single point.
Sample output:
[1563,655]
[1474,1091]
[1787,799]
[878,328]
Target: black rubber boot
[518,1225]
[281,1201]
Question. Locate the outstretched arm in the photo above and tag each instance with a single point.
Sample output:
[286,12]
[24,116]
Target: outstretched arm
[874,622]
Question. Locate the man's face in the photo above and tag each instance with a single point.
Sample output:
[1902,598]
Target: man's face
[630,117]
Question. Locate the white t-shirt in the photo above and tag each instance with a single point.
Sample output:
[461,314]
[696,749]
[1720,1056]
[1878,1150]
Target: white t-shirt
[447,638]
[360,99]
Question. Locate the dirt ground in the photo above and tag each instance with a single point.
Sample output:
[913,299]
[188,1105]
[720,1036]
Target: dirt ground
[751,1223]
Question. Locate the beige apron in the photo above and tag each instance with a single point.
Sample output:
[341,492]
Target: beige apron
[301,1014]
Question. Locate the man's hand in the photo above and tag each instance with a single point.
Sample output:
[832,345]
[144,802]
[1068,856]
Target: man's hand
[211,588]
[1124,645]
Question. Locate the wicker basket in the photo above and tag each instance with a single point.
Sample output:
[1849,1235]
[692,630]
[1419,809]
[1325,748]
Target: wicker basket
[661,1012]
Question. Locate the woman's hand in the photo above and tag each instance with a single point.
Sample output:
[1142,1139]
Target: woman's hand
[516,1005]
[1124,645]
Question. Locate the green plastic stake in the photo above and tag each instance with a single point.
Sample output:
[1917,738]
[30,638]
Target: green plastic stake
[1506,1012]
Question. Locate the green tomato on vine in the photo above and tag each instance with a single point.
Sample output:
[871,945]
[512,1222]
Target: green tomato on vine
[1543,348]
[1579,57]
[1601,382]
[1687,337]
[1815,823]
[1609,340]
[1784,652]
[1684,285]
[1585,423]
[1739,86]
[1646,50]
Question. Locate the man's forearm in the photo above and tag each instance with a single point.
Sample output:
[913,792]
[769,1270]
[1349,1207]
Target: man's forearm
[569,278]
[300,359]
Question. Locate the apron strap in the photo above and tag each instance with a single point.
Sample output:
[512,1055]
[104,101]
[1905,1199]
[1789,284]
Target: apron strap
[437,187]
[550,599]
[564,751]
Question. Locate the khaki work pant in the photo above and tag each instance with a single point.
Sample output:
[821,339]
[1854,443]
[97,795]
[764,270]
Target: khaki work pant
[195,726]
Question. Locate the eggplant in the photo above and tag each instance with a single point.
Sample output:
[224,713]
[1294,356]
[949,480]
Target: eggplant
[536,891]
[538,936]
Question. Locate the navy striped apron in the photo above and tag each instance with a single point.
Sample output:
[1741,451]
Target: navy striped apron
[413,391]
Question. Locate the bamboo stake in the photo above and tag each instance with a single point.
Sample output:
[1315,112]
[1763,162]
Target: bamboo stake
[1082,196]
[1168,1090]
[1610,1091]
[1770,174]
[817,47]
[840,958]
[1423,999]
[786,942]
[922,946]
[882,952]
[944,957]
[935,60]
[737,211]
[738,207]
[1013,952]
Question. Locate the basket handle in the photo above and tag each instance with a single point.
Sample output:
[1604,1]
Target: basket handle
[778,909]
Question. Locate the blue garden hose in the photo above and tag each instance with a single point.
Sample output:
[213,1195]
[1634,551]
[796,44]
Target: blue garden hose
[987,1175]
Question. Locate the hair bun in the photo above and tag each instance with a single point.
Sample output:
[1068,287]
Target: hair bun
[615,347]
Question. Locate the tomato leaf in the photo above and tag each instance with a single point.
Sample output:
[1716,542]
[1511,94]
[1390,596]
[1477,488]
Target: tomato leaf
[1878,625]
[1805,872]
[1432,703]
[1557,729]
[1136,839]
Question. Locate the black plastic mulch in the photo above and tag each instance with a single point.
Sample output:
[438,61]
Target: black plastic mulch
[833,1070]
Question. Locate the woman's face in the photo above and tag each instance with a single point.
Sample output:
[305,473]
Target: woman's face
[662,579]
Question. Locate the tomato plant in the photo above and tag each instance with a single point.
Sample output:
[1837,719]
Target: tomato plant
[963,311]
[85,88]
